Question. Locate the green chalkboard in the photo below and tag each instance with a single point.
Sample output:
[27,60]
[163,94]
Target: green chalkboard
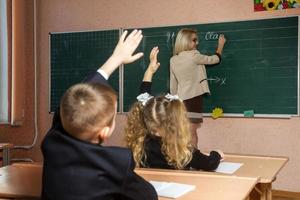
[259,70]
[133,73]
[260,66]
[75,55]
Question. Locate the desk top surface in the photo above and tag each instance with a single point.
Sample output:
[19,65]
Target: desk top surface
[5,145]
[208,186]
[19,181]
[24,180]
[265,167]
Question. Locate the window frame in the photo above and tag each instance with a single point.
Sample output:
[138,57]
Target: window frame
[4,63]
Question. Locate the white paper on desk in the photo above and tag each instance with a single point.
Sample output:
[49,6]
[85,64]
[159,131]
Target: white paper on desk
[171,189]
[228,167]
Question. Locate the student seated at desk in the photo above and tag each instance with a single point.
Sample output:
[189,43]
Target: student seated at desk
[158,130]
[76,165]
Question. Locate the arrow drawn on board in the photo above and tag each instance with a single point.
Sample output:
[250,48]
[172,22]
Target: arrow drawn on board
[221,81]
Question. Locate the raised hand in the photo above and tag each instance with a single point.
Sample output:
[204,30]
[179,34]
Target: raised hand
[123,52]
[221,43]
[126,47]
[153,65]
[222,40]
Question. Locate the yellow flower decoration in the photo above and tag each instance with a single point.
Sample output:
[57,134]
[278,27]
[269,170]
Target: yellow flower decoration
[292,1]
[271,4]
[216,113]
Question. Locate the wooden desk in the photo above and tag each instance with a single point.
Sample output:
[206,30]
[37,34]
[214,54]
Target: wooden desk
[208,186]
[21,181]
[24,181]
[5,148]
[265,167]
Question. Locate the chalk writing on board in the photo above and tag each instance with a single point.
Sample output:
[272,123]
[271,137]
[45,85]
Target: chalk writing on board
[218,80]
[211,36]
[173,38]
[169,40]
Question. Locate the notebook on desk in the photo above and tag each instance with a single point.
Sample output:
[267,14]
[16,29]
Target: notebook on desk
[228,167]
[171,189]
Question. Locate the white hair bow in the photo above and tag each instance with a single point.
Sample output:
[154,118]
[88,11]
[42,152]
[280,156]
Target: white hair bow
[144,98]
[172,97]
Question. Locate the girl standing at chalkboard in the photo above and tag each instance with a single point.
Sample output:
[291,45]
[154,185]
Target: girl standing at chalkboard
[188,76]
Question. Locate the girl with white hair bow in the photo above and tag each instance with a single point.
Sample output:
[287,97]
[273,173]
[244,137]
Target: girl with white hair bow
[158,130]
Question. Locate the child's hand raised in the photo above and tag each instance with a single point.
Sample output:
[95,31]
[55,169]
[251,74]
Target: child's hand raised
[123,52]
[153,65]
[126,47]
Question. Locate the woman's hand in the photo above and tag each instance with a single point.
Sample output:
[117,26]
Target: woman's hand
[222,40]
[221,43]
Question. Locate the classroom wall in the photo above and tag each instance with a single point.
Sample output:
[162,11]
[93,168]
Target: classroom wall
[251,136]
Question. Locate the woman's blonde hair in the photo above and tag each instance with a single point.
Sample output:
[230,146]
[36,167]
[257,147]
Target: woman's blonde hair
[166,117]
[183,39]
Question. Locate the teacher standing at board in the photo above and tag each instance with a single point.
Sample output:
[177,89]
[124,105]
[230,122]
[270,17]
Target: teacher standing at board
[188,76]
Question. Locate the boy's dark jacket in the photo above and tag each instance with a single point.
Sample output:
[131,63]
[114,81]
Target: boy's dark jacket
[74,169]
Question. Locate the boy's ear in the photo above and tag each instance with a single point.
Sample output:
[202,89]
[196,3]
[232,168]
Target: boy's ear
[104,133]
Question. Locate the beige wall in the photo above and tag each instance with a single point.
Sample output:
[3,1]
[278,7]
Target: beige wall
[252,136]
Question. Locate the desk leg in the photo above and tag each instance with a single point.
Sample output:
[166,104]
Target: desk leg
[6,156]
[266,191]
[269,191]
[256,193]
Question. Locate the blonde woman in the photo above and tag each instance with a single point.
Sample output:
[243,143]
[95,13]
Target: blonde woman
[188,77]
[158,130]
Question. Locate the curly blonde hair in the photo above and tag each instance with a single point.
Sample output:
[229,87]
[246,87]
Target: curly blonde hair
[163,116]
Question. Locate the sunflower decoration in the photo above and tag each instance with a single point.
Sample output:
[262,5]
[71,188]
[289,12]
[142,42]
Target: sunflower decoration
[271,4]
[261,5]
[294,3]
[216,113]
